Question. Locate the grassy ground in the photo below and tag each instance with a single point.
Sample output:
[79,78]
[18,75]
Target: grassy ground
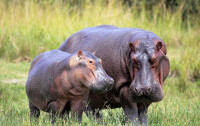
[179,107]
[29,27]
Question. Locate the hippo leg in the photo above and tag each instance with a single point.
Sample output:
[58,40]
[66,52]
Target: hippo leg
[97,114]
[34,111]
[130,108]
[94,112]
[142,112]
[66,110]
[54,110]
[77,107]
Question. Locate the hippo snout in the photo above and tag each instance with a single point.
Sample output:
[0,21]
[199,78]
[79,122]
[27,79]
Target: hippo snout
[103,85]
[147,93]
[139,91]
[109,82]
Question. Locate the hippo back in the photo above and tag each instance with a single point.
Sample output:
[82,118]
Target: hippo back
[109,43]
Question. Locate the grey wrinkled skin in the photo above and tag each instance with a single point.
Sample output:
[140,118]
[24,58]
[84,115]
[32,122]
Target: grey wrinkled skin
[59,82]
[136,60]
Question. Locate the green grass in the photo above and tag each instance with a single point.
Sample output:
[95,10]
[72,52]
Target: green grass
[179,107]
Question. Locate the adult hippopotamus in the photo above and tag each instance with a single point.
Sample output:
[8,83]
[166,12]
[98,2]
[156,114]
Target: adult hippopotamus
[59,82]
[136,60]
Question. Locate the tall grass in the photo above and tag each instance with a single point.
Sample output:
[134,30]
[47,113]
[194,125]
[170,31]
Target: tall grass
[28,28]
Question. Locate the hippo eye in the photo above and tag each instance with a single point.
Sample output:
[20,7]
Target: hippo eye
[155,60]
[90,62]
[135,62]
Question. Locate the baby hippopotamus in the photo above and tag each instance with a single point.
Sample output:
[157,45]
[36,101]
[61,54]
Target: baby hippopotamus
[58,82]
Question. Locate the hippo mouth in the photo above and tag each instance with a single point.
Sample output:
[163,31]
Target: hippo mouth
[142,99]
[100,90]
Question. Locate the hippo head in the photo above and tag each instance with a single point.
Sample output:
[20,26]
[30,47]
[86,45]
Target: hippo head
[148,67]
[90,73]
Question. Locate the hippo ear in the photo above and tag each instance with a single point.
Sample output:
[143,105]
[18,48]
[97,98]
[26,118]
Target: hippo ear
[80,54]
[161,47]
[132,46]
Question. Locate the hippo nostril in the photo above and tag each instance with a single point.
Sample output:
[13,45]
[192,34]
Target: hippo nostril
[136,90]
[109,80]
[148,90]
